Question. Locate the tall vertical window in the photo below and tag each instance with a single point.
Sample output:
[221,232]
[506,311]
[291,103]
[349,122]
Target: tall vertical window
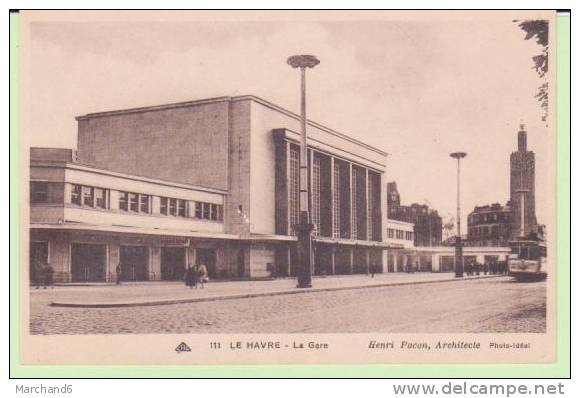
[354,209]
[88,196]
[316,194]
[370,207]
[101,198]
[294,188]
[38,192]
[76,194]
[198,210]
[336,202]
[206,211]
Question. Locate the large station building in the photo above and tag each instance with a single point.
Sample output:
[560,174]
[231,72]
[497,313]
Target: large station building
[213,181]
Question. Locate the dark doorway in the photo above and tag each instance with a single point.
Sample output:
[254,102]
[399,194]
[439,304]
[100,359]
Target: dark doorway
[134,260]
[88,262]
[241,263]
[38,259]
[172,263]
[207,257]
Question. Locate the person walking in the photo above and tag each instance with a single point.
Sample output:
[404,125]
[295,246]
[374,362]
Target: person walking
[47,275]
[202,274]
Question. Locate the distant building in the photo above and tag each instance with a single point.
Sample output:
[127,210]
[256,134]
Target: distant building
[489,225]
[427,222]
[522,188]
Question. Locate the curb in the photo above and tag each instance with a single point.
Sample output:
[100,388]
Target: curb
[253,295]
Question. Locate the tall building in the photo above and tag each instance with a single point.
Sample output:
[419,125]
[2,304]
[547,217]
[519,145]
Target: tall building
[428,224]
[213,181]
[489,225]
[522,188]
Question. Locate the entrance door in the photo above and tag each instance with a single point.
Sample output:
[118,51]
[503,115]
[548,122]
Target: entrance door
[88,262]
[207,257]
[38,258]
[172,263]
[134,260]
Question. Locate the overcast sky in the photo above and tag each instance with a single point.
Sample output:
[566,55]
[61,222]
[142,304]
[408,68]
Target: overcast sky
[415,89]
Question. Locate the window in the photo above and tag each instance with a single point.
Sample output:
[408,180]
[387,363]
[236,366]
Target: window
[144,203]
[173,206]
[124,201]
[181,208]
[316,194]
[100,198]
[76,194]
[198,210]
[294,188]
[134,202]
[390,233]
[336,203]
[88,196]
[206,210]
[370,207]
[163,206]
[354,209]
[38,192]
[214,212]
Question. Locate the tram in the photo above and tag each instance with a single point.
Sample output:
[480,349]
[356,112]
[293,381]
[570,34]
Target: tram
[527,262]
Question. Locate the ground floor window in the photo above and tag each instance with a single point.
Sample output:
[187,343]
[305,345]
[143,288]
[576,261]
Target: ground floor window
[172,263]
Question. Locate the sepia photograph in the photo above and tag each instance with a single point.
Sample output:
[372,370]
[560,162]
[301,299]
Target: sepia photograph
[315,186]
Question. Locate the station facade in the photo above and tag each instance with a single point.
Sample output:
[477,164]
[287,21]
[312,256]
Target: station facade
[213,181]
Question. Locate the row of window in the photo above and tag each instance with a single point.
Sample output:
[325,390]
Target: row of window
[482,218]
[83,195]
[399,234]
[484,231]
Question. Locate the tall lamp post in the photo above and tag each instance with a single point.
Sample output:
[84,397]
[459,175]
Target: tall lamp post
[304,227]
[458,243]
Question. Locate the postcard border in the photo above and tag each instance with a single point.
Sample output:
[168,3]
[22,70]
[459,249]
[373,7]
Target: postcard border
[559,369]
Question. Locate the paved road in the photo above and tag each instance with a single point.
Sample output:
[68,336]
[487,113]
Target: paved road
[492,305]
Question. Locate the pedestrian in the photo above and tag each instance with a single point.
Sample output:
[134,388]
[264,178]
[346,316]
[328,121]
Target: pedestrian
[190,279]
[47,275]
[202,274]
[37,274]
[373,270]
[119,271]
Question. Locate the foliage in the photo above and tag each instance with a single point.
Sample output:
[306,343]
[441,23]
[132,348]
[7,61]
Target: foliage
[538,30]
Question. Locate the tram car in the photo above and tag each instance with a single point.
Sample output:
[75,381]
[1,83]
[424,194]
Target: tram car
[527,262]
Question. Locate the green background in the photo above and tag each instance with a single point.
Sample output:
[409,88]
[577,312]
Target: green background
[560,369]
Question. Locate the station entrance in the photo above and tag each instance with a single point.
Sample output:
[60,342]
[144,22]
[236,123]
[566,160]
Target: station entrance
[88,262]
[172,263]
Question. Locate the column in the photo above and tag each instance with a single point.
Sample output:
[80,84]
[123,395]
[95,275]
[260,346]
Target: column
[155,262]
[113,199]
[333,259]
[368,259]
[289,254]
[368,210]
[114,256]
[351,262]
[156,205]
[352,214]
[332,188]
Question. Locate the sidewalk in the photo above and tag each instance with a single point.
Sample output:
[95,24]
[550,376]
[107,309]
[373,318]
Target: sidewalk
[165,293]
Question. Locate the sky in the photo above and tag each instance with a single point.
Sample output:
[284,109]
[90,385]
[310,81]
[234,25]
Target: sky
[415,88]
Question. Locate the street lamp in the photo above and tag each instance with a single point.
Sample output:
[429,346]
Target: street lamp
[458,244]
[304,227]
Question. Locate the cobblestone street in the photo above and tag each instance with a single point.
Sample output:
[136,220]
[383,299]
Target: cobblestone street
[485,305]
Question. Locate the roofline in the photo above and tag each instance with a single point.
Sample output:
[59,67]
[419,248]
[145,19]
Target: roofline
[90,169]
[250,97]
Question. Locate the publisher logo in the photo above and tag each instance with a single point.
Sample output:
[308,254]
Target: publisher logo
[182,347]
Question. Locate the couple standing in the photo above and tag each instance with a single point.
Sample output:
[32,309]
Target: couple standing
[196,274]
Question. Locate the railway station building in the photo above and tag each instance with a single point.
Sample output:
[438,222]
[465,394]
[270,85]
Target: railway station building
[213,181]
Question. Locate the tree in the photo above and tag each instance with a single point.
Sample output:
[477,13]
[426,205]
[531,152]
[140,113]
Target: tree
[538,29]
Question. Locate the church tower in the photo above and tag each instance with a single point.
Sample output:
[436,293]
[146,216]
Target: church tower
[522,188]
